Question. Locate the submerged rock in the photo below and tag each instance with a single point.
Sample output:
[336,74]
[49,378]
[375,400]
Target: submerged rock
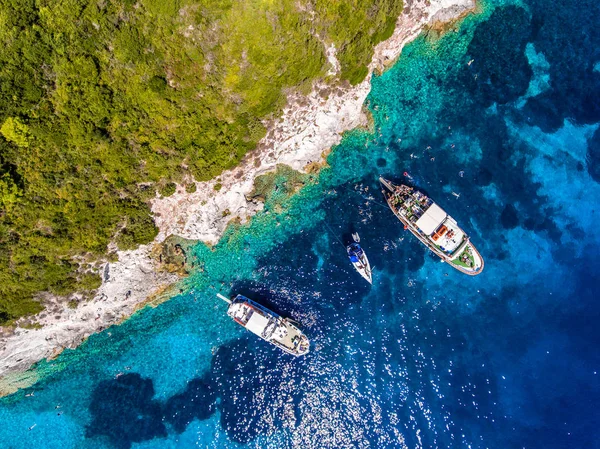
[124,411]
[593,156]
[505,76]
[509,217]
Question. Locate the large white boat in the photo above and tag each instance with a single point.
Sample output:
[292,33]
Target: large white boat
[269,326]
[433,227]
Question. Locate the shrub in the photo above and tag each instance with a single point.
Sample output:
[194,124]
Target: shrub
[168,189]
[15,131]
[111,102]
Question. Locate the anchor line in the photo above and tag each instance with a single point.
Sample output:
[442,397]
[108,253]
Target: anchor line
[334,234]
[385,206]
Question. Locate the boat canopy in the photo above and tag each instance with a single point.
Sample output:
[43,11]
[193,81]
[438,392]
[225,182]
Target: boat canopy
[257,323]
[431,219]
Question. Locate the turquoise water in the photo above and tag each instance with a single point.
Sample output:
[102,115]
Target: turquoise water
[502,110]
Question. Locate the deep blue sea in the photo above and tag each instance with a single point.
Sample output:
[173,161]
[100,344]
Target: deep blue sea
[503,109]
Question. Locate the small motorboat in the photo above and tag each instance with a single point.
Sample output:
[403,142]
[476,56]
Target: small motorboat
[359,258]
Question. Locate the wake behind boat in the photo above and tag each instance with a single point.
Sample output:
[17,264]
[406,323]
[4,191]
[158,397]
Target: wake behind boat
[359,259]
[433,227]
[265,323]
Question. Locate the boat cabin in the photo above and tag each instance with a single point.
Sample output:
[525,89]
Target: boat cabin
[441,229]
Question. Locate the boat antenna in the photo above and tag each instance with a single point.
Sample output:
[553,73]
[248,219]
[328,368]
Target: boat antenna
[224,298]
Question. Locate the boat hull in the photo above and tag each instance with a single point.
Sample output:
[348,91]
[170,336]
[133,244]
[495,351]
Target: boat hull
[364,268]
[365,272]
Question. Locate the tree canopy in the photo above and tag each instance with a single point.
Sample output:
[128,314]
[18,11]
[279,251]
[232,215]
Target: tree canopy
[103,104]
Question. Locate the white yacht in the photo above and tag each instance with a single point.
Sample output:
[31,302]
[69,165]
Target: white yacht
[269,326]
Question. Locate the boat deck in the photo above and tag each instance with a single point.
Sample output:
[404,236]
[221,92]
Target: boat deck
[292,335]
[268,325]
[451,238]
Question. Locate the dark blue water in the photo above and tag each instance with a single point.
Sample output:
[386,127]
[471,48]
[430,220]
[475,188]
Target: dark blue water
[504,111]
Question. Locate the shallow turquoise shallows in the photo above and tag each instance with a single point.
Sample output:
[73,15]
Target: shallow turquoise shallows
[502,110]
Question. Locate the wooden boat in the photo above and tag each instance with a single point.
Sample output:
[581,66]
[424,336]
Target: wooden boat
[433,227]
[269,326]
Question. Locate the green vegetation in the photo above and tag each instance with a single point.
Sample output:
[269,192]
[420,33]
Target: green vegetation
[278,186]
[168,189]
[172,255]
[15,131]
[356,26]
[102,104]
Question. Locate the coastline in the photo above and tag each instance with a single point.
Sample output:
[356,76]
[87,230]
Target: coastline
[309,126]
[127,285]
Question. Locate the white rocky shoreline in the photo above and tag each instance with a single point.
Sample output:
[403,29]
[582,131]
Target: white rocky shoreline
[310,125]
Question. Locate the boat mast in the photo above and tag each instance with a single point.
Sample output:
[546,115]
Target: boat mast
[227,300]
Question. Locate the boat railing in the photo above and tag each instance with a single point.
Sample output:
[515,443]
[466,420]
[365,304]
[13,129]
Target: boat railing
[458,251]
